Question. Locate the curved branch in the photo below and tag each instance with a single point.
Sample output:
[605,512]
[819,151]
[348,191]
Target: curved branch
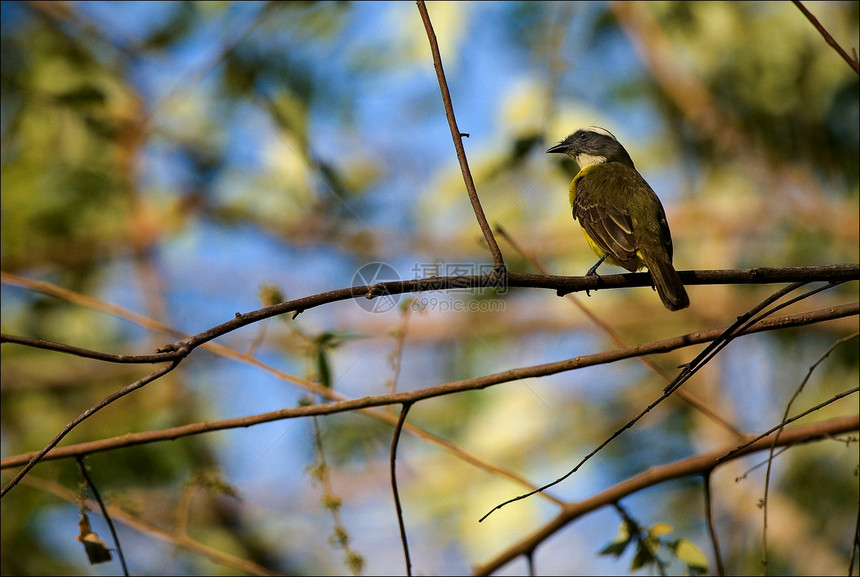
[392,465]
[653,347]
[177,351]
[228,353]
[688,370]
[157,374]
[701,464]
[91,354]
[601,323]
[498,263]
[561,284]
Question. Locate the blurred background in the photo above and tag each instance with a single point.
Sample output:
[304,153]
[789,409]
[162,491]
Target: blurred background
[188,161]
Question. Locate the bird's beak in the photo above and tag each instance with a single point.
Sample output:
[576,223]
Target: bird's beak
[558,148]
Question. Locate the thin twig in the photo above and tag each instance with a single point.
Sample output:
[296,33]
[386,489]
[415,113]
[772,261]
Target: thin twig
[852,62]
[91,354]
[747,319]
[736,329]
[731,454]
[498,262]
[392,465]
[613,334]
[757,465]
[855,546]
[320,472]
[709,517]
[776,439]
[695,465]
[85,415]
[396,356]
[83,467]
[472,384]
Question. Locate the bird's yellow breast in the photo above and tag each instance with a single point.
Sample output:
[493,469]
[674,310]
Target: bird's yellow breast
[594,246]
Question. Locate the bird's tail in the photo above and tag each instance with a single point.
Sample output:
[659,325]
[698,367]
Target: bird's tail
[668,284]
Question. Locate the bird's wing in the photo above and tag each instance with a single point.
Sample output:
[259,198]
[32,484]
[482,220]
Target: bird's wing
[606,222]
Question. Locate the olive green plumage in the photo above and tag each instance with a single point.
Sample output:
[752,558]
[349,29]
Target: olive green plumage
[621,216]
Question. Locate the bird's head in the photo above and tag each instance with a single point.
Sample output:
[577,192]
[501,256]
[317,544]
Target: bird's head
[593,145]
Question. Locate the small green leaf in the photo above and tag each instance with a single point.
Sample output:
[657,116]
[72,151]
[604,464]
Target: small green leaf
[620,543]
[643,557]
[692,556]
[616,548]
[323,371]
[652,544]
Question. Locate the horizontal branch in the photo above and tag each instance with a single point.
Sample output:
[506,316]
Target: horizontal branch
[561,284]
[89,353]
[761,275]
[654,347]
[697,465]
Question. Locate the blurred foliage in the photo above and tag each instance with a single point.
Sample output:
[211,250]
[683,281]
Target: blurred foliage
[794,98]
[654,550]
[184,159]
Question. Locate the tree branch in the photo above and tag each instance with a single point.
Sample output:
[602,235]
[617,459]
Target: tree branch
[482,382]
[561,284]
[685,396]
[393,470]
[85,415]
[701,464]
[852,62]
[172,538]
[498,262]
[228,353]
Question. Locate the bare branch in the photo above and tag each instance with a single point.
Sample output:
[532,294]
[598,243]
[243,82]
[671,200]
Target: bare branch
[85,415]
[765,499]
[852,62]
[785,422]
[709,517]
[700,464]
[90,354]
[171,537]
[689,369]
[226,352]
[392,466]
[482,382]
[561,284]
[685,396]
[498,262]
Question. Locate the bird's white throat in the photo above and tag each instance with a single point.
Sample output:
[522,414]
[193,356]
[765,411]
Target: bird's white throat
[583,159]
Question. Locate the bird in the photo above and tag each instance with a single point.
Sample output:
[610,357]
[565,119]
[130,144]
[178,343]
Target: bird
[622,217]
